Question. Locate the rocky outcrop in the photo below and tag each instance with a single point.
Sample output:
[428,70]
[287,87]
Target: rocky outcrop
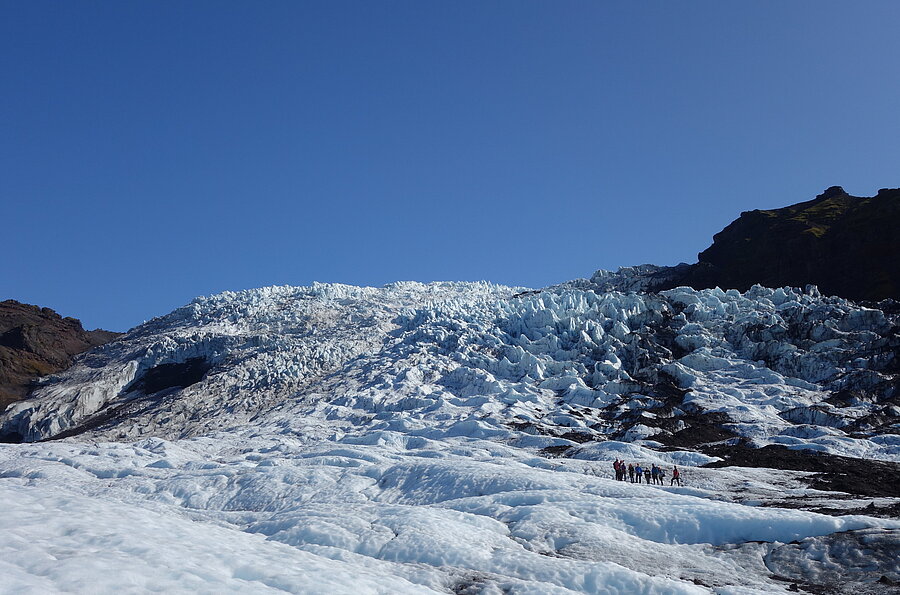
[845,245]
[35,342]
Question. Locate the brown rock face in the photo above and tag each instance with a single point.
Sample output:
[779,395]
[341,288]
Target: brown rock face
[35,342]
[848,246]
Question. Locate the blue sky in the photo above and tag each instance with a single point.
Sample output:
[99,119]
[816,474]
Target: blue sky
[155,151]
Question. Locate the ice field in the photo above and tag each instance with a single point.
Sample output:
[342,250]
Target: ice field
[454,438]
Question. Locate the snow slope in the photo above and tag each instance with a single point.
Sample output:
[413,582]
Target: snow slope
[340,439]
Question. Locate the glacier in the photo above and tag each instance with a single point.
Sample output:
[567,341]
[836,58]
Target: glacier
[455,437]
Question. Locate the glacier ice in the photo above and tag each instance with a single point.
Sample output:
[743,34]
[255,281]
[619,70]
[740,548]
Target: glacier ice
[405,438]
[450,358]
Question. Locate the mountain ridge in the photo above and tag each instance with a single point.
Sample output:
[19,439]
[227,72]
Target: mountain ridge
[845,245]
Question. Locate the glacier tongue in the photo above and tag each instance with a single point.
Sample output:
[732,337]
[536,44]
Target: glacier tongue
[451,358]
[454,437]
[478,359]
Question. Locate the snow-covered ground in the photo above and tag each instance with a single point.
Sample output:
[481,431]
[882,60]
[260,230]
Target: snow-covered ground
[336,439]
[258,510]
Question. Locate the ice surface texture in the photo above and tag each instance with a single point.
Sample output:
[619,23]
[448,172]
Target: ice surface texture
[258,511]
[484,360]
[336,439]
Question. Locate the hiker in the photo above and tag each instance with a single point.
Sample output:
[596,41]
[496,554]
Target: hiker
[675,476]
[631,472]
[639,472]
[647,476]
[617,468]
[654,473]
[661,473]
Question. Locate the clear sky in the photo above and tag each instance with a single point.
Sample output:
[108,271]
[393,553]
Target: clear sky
[154,151]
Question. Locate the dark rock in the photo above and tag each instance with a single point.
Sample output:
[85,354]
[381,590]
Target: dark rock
[35,342]
[702,428]
[165,376]
[579,437]
[835,473]
[845,245]
[559,450]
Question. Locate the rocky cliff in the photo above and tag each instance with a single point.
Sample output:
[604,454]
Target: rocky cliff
[35,342]
[846,245]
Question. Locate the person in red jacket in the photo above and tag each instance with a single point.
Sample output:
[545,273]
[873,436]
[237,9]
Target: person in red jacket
[676,476]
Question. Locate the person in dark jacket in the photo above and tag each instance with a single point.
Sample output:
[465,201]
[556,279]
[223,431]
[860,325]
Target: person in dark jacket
[631,472]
